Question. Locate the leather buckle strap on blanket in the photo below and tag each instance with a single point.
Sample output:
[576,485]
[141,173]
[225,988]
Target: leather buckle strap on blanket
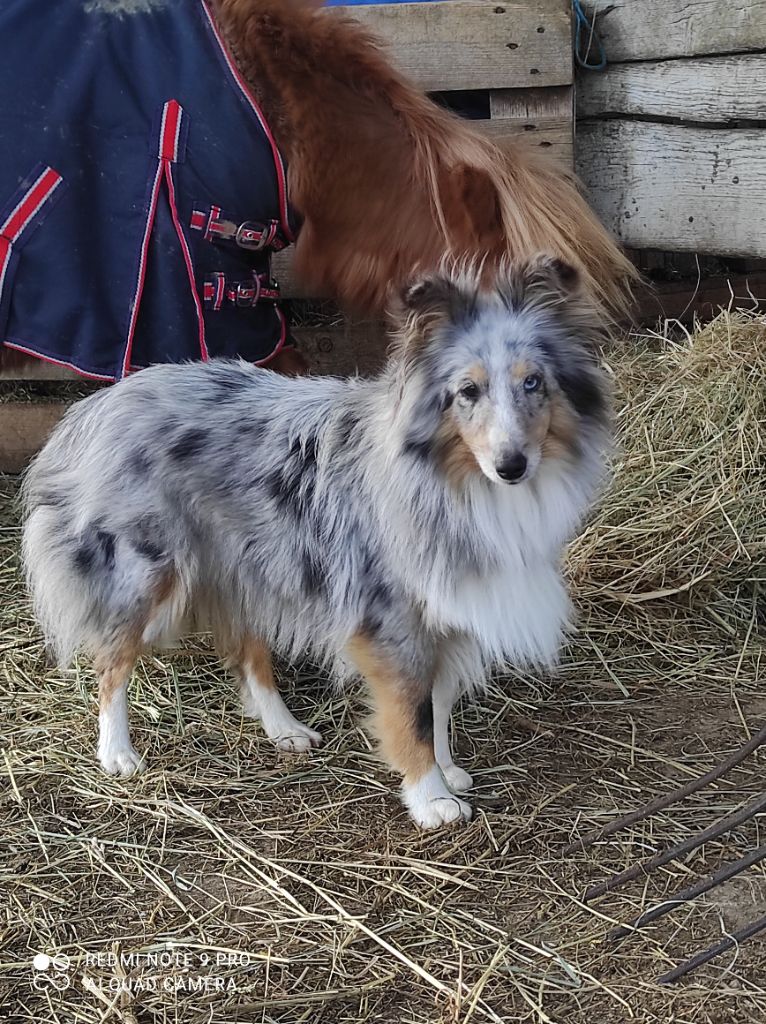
[250,234]
[259,288]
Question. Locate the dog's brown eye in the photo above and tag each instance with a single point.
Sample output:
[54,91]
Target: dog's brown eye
[469,391]
[532,382]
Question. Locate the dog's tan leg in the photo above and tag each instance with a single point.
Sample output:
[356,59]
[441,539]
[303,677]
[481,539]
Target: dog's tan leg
[251,661]
[404,724]
[115,750]
[114,665]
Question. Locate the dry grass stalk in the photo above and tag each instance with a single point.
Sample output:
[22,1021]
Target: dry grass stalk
[311,867]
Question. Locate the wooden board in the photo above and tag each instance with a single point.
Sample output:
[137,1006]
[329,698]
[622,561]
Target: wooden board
[687,301]
[476,44]
[23,367]
[355,346]
[552,136]
[711,89]
[349,348]
[544,117]
[532,106]
[667,187]
[653,29]
[24,429]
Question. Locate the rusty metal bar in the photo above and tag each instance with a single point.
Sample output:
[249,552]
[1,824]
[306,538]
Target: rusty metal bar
[670,798]
[726,824]
[722,875]
[742,935]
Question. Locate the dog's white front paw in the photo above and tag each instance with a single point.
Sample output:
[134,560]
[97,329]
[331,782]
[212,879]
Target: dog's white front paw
[297,738]
[124,761]
[440,812]
[280,725]
[431,804]
[458,780]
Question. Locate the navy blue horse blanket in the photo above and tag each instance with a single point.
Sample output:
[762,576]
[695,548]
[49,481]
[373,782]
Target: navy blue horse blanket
[141,190]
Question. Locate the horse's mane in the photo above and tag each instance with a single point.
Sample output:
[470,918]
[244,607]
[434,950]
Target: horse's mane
[386,181]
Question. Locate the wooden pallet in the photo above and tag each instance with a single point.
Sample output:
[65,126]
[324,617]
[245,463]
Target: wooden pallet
[24,428]
[671,138]
[514,59]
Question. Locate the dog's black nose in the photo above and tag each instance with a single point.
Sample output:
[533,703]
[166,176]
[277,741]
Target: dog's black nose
[513,468]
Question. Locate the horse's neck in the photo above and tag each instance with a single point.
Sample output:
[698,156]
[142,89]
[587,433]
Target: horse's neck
[266,95]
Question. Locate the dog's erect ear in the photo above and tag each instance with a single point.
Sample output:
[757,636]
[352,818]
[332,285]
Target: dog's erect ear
[542,278]
[439,298]
[552,273]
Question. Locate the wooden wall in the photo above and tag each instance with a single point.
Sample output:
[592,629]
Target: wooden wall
[671,138]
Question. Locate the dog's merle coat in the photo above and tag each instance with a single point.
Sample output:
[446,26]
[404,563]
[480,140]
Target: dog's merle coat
[312,512]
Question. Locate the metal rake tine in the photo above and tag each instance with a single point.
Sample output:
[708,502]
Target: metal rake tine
[674,852]
[722,875]
[742,935]
[670,798]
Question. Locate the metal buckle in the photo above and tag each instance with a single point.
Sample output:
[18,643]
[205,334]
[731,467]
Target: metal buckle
[249,295]
[249,236]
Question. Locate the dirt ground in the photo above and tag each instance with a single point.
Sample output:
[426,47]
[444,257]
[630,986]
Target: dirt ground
[234,884]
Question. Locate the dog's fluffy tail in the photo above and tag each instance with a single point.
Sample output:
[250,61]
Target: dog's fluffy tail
[63,612]
[91,577]
[388,182]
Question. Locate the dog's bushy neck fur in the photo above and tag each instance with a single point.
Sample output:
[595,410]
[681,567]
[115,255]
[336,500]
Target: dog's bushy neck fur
[474,555]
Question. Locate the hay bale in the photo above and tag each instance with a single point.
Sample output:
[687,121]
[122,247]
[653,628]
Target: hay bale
[686,514]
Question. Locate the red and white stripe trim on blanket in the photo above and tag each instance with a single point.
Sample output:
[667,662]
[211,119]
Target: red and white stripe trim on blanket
[17,347]
[169,152]
[256,110]
[29,204]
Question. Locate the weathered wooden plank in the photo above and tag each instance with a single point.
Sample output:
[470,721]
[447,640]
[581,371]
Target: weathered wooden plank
[354,346]
[24,429]
[535,105]
[555,137]
[476,44]
[653,29]
[667,187]
[28,368]
[689,301]
[716,89]
[544,116]
[346,349]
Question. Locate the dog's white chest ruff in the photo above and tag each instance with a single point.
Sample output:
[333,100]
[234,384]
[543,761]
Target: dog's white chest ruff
[518,611]
[518,614]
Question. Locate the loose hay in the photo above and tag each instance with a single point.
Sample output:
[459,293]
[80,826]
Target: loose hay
[310,868]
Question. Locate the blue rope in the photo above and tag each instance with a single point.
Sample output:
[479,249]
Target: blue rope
[586,40]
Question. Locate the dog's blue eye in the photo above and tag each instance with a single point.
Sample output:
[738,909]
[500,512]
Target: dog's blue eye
[469,391]
[532,382]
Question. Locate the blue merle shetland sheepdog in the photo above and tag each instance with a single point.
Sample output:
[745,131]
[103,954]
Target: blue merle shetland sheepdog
[407,529]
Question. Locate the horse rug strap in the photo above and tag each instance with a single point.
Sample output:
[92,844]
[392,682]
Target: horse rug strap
[129,233]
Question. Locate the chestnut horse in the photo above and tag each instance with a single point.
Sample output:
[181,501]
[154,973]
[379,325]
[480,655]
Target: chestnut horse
[386,181]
